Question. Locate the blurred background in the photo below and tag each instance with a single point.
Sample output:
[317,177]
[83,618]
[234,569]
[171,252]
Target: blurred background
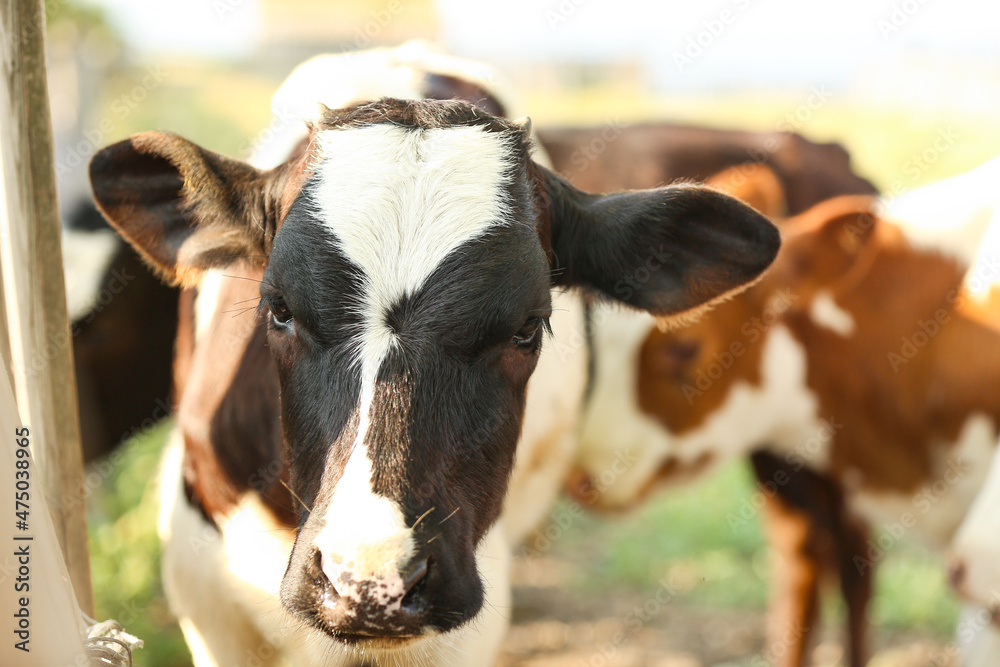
[886,79]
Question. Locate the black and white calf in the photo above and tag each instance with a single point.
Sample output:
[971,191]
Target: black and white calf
[406,258]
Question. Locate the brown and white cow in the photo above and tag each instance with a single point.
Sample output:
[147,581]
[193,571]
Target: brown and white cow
[403,262]
[858,373]
[632,157]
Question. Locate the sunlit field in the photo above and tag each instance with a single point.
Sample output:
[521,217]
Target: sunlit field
[584,576]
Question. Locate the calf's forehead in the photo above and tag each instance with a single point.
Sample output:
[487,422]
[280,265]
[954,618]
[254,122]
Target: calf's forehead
[389,206]
[398,200]
[419,191]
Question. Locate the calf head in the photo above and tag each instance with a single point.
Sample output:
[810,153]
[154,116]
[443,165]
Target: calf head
[409,257]
[768,365]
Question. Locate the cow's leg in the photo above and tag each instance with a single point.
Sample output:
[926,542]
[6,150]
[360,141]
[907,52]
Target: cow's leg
[218,631]
[796,572]
[856,577]
[808,525]
[804,518]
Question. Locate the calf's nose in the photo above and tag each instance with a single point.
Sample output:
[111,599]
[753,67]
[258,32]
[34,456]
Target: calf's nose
[361,603]
[389,589]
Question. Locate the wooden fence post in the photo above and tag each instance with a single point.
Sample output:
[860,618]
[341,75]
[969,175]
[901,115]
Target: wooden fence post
[35,295]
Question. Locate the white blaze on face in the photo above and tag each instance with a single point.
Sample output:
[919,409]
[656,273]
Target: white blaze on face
[365,536]
[397,202]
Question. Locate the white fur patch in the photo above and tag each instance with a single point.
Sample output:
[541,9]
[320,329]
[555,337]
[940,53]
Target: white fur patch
[977,544]
[223,593]
[86,259]
[938,507]
[612,421]
[365,536]
[782,411]
[344,79]
[825,312]
[206,304]
[399,201]
[952,217]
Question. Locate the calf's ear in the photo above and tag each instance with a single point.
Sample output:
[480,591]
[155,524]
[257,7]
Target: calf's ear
[754,184]
[184,208]
[833,241]
[668,250]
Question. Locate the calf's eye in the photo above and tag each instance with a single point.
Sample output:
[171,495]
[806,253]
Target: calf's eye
[528,335]
[281,316]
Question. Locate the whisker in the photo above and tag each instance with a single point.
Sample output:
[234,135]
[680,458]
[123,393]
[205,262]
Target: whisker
[421,518]
[450,515]
[497,610]
[254,280]
[296,496]
[243,256]
[240,311]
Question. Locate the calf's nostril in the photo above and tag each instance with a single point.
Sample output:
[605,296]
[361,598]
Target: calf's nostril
[320,578]
[417,572]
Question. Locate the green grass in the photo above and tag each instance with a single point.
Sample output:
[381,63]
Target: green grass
[683,535]
[221,107]
[125,550]
[696,538]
